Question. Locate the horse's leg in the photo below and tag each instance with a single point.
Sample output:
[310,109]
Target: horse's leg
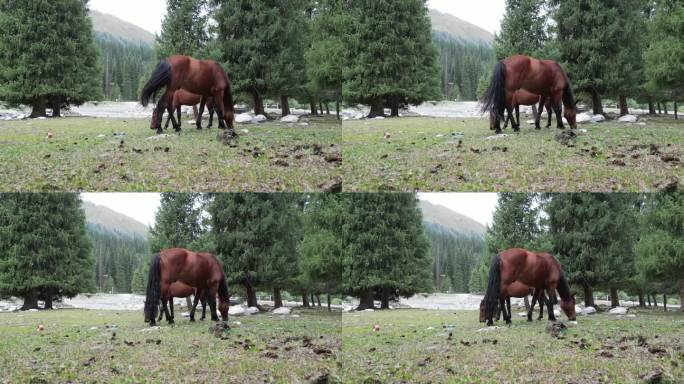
[552,315]
[173,316]
[549,112]
[169,316]
[517,115]
[220,112]
[203,102]
[537,118]
[558,109]
[211,116]
[542,302]
[203,299]
[212,304]
[180,120]
[194,305]
[161,106]
[161,310]
[531,309]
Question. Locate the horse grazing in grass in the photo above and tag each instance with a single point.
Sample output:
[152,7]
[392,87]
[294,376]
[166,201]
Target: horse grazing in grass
[201,271]
[181,290]
[201,77]
[545,78]
[174,103]
[518,290]
[540,271]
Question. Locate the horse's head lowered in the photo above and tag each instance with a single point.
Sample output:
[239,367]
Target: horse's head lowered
[571,116]
[223,306]
[568,306]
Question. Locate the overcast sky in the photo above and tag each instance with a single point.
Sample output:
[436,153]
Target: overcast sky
[148,14]
[478,206]
[139,206]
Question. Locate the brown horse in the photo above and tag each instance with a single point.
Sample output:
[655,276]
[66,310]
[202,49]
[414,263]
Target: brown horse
[181,290]
[541,77]
[202,77]
[197,270]
[522,97]
[540,271]
[518,290]
[174,103]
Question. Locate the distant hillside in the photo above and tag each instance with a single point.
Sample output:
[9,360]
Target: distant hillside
[105,23]
[113,221]
[459,29]
[448,219]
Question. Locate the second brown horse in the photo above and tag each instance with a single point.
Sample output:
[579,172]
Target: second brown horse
[197,270]
[540,271]
[175,101]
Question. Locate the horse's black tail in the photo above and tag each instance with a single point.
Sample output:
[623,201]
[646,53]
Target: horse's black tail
[223,289]
[494,99]
[161,77]
[493,287]
[153,288]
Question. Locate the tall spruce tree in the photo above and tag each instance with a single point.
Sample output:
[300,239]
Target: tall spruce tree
[184,29]
[596,40]
[660,250]
[45,253]
[524,29]
[390,58]
[515,223]
[254,235]
[386,251]
[665,52]
[593,237]
[48,57]
[177,222]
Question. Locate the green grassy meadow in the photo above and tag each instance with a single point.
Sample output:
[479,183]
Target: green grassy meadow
[78,346]
[417,153]
[414,346]
[124,155]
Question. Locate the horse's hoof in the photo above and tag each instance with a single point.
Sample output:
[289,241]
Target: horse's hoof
[192,320]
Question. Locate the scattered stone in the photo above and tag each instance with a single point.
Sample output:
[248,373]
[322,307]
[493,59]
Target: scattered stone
[260,118]
[628,119]
[583,118]
[281,311]
[282,163]
[566,138]
[618,311]
[388,135]
[290,119]
[587,311]
[271,355]
[619,163]
[424,362]
[497,137]
[89,362]
[670,159]
[219,329]
[487,329]
[436,168]
[251,310]
[556,329]
[333,157]
[606,354]
[244,118]
[598,119]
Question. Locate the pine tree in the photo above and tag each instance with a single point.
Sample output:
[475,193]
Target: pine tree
[523,29]
[515,224]
[593,237]
[664,65]
[177,222]
[48,57]
[45,253]
[184,29]
[390,58]
[660,250]
[596,41]
[386,251]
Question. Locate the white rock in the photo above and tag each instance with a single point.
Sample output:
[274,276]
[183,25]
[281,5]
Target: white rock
[522,314]
[251,310]
[158,137]
[598,119]
[557,312]
[583,118]
[531,122]
[380,118]
[236,310]
[574,323]
[295,316]
[260,118]
[487,329]
[497,137]
[244,118]
[236,323]
[347,308]
[151,329]
[439,136]
[33,310]
[369,310]
[618,311]
[631,315]
[42,118]
[93,328]
[641,124]
[281,311]
[303,124]
[588,311]
[185,314]
[429,328]
[583,131]
[101,136]
[245,131]
[628,119]
[290,119]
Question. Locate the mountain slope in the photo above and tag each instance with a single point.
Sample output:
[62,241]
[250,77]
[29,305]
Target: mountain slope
[459,29]
[105,23]
[113,221]
[448,219]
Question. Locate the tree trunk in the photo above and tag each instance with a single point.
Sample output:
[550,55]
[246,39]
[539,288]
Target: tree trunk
[596,103]
[642,302]
[655,301]
[384,299]
[313,300]
[312,104]
[277,298]
[588,296]
[660,109]
[285,105]
[651,106]
[330,308]
[38,109]
[305,300]
[366,300]
[665,302]
[614,298]
[56,108]
[318,300]
[665,108]
[675,111]
[48,301]
[327,108]
[681,295]
[30,301]
[624,110]
[251,295]
[337,103]
[649,299]
[258,103]
[320,106]
[377,109]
